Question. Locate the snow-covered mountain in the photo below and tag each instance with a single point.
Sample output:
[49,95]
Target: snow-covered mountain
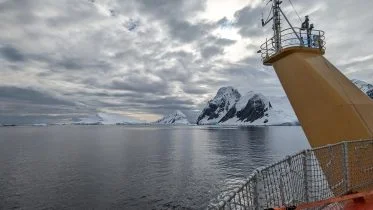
[106,119]
[176,118]
[228,107]
[219,106]
[364,86]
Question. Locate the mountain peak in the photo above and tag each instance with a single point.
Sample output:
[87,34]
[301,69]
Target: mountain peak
[178,112]
[227,91]
[175,118]
[225,99]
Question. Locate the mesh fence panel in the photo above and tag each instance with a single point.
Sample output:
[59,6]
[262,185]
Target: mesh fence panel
[360,165]
[308,176]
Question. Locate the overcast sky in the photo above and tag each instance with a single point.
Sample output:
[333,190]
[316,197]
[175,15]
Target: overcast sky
[64,59]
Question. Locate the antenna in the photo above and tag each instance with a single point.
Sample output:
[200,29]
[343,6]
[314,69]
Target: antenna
[276,18]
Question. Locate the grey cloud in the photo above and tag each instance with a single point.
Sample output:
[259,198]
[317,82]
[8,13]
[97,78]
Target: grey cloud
[26,105]
[168,107]
[174,13]
[250,31]
[223,21]
[70,64]
[254,60]
[187,32]
[211,51]
[194,89]
[248,69]
[358,64]
[166,9]
[248,20]
[12,54]
[139,84]
[79,64]
[363,73]
[78,11]
[225,42]
[154,104]
[112,13]
[176,73]
[214,82]
[30,96]
[19,10]
[214,40]
[35,119]
[178,54]
[165,101]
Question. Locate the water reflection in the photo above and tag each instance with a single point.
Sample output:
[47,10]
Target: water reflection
[106,167]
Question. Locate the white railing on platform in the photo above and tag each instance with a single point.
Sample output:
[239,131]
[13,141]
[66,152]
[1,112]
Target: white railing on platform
[294,37]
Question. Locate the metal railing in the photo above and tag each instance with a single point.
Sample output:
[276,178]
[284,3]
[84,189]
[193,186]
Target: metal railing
[294,37]
[308,176]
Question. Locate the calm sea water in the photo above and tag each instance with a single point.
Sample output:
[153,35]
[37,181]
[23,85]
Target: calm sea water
[118,167]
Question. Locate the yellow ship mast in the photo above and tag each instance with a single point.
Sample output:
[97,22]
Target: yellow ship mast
[330,108]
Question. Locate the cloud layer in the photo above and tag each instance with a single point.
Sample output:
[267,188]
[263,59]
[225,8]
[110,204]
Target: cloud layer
[145,58]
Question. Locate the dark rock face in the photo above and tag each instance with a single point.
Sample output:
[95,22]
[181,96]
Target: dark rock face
[254,109]
[370,93]
[209,112]
[231,113]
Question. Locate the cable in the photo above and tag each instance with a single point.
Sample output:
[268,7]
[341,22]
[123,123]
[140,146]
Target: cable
[270,12]
[295,11]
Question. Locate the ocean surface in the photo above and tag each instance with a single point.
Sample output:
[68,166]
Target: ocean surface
[133,167]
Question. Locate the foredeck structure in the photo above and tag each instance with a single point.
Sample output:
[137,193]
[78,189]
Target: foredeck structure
[331,110]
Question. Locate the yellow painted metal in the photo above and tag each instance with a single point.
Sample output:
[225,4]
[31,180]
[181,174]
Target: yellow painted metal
[329,106]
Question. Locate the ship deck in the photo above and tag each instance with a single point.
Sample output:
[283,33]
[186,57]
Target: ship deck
[363,204]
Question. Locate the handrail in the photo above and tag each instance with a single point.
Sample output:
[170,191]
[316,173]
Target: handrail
[305,177]
[315,39]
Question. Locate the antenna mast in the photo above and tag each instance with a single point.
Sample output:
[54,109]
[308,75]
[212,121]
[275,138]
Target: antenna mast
[276,17]
[277,23]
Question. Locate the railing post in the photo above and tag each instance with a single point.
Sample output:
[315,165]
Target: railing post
[258,190]
[319,41]
[282,192]
[267,48]
[346,175]
[305,175]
